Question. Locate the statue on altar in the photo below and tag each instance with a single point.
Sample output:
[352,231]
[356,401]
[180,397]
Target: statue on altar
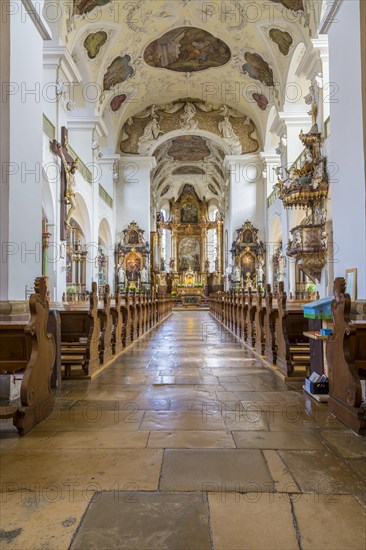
[121,275]
[144,275]
[189,277]
[237,274]
[260,271]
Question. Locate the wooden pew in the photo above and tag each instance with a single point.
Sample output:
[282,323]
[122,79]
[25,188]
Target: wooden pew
[259,323]
[117,332]
[126,320]
[84,324]
[269,324]
[293,348]
[106,325]
[346,357]
[251,309]
[134,316]
[28,348]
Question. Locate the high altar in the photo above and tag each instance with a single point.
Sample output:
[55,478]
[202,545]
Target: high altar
[192,268]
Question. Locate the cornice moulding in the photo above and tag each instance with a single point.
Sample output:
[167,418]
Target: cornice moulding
[40,23]
[59,56]
[328,18]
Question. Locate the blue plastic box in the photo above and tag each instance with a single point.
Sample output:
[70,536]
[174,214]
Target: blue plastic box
[321,309]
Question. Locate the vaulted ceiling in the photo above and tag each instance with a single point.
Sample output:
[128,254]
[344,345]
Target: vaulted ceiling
[150,52]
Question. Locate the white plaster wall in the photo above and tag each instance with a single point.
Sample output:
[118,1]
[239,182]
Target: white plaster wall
[247,194]
[347,147]
[133,194]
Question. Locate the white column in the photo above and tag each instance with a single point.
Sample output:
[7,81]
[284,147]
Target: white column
[133,193]
[21,158]
[82,132]
[109,176]
[328,91]
[295,122]
[272,160]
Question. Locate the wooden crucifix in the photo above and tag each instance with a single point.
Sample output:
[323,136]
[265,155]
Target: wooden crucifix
[69,166]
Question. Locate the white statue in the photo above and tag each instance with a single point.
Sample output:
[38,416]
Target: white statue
[121,275]
[188,121]
[228,133]
[151,132]
[237,274]
[144,275]
[260,272]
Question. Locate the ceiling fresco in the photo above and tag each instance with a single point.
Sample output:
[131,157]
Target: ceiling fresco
[82,7]
[182,170]
[117,101]
[261,100]
[294,5]
[118,71]
[187,49]
[191,148]
[256,67]
[94,42]
[283,40]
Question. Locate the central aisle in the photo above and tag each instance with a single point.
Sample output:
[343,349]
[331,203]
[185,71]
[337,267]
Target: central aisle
[185,442]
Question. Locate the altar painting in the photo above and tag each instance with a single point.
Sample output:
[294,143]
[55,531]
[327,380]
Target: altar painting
[189,213]
[248,264]
[133,266]
[189,254]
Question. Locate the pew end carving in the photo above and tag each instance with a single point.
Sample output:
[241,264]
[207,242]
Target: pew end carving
[346,357]
[29,348]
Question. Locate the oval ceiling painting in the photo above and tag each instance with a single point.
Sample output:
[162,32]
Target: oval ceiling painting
[187,49]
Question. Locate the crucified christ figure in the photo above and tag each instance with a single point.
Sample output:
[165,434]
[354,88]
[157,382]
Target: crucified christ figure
[70,169]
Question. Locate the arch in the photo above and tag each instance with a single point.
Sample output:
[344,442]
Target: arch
[275,230]
[81,216]
[271,139]
[297,86]
[105,235]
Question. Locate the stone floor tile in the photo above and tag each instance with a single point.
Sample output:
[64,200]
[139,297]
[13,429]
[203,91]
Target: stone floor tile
[138,521]
[208,419]
[95,469]
[321,472]
[345,443]
[240,522]
[337,522]
[276,440]
[283,482]
[92,418]
[191,440]
[42,519]
[82,440]
[207,470]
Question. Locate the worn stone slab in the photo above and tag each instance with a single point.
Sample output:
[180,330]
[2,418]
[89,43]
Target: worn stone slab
[240,522]
[207,470]
[140,521]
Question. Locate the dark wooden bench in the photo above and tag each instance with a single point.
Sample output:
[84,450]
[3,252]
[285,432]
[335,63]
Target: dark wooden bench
[117,329]
[106,326]
[259,323]
[346,358]
[251,309]
[270,316]
[80,333]
[293,348]
[27,348]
